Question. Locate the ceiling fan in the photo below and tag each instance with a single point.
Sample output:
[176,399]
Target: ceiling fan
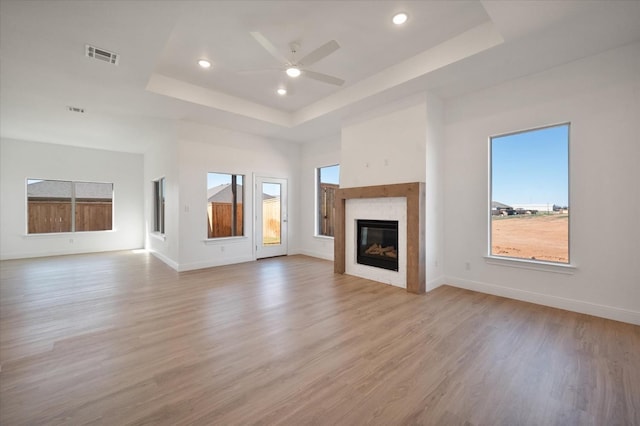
[295,68]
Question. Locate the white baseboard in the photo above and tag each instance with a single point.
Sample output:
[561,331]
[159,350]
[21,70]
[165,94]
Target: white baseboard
[212,263]
[15,256]
[317,254]
[435,283]
[32,255]
[603,311]
[165,259]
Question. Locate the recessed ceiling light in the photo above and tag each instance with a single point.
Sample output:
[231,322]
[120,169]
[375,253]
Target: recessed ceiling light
[281,91]
[400,18]
[293,71]
[204,63]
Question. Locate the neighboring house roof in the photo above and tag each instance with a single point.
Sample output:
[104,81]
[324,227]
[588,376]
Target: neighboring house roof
[62,189]
[498,205]
[222,194]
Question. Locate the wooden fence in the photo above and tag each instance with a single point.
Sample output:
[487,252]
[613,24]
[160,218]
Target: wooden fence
[219,220]
[55,216]
[271,221]
[326,208]
[94,216]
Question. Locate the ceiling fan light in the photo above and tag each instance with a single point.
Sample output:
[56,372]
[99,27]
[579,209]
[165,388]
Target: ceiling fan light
[204,63]
[293,72]
[281,91]
[400,18]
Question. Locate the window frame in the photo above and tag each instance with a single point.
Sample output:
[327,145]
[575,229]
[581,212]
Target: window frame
[522,262]
[317,215]
[73,200]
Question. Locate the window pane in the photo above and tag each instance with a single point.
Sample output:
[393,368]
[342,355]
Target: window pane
[328,180]
[530,194]
[94,206]
[225,205]
[163,192]
[271,214]
[49,206]
[158,205]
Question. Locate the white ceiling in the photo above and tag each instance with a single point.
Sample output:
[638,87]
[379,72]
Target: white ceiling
[448,47]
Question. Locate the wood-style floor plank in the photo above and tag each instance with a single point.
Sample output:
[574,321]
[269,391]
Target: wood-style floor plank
[120,338]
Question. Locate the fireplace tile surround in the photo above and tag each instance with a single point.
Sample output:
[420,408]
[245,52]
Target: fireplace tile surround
[387,209]
[415,236]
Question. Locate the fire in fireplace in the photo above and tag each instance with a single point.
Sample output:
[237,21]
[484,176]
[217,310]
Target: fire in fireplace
[377,243]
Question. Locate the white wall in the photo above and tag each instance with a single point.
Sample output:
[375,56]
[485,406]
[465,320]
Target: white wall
[385,146]
[203,149]
[434,194]
[20,160]
[325,152]
[600,96]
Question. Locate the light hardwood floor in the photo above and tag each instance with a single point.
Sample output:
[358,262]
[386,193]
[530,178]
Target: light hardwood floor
[120,338]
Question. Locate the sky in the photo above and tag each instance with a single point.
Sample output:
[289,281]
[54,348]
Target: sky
[271,189]
[330,174]
[531,167]
[215,179]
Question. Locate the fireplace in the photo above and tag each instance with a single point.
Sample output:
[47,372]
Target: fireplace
[404,202]
[377,243]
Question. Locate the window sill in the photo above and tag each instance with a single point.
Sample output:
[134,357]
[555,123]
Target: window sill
[536,265]
[323,237]
[224,240]
[158,236]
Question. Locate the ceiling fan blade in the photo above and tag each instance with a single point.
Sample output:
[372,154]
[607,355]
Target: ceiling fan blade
[269,47]
[323,77]
[320,53]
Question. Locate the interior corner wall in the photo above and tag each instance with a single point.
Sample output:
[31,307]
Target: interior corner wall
[600,97]
[21,160]
[161,161]
[434,195]
[203,149]
[386,146]
[321,153]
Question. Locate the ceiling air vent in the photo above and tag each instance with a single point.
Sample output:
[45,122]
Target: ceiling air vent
[101,54]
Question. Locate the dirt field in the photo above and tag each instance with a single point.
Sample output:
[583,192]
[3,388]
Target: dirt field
[538,237]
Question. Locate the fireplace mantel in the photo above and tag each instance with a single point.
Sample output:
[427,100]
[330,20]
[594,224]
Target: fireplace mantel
[415,194]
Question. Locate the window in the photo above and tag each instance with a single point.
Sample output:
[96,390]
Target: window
[158,205]
[64,206]
[225,205]
[328,179]
[530,195]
